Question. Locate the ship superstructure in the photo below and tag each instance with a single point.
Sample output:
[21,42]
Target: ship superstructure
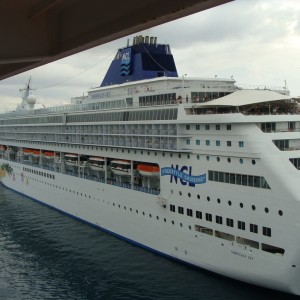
[195,169]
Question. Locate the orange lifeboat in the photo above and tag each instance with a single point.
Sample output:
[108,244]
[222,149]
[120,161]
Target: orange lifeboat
[49,154]
[27,151]
[35,153]
[150,170]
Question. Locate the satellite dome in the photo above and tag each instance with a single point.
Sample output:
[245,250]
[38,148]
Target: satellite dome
[31,99]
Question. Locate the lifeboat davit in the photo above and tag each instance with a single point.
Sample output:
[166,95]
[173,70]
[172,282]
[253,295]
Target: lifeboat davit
[96,163]
[120,167]
[150,170]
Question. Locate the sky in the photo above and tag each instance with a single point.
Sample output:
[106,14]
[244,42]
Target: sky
[255,41]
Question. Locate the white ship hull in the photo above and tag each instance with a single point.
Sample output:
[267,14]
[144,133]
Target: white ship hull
[138,219]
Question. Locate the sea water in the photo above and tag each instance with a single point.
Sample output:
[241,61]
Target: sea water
[45,254]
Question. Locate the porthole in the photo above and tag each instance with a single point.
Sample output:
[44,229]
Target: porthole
[165,220]
[143,213]
[180,193]
[208,198]
[241,161]
[241,205]
[189,195]
[172,222]
[218,200]
[229,159]
[180,224]
[157,217]
[198,157]
[188,156]
[198,196]
[190,227]
[172,191]
[207,157]
[253,207]
[280,212]
[150,215]
[229,203]
[266,210]
[253,162]
[218,158]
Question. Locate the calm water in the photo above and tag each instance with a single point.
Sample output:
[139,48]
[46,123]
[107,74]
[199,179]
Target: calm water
[47,255]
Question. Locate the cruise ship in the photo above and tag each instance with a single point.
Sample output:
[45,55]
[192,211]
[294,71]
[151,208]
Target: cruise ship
[199,170]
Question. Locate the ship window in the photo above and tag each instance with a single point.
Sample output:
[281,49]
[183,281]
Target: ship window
[253,228]
[198,214]
[188,142]
[241,144]
[241,225]
[232,178]
[219,220]
[218,143]
[228,127]
[180,210]
[295,162]
[172,207]
[218,126]
[229,222]
[228,143]
[208,217]
[207,127]
[266,231]
[189,212]
[187,127]
[197,126]
[268,127]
